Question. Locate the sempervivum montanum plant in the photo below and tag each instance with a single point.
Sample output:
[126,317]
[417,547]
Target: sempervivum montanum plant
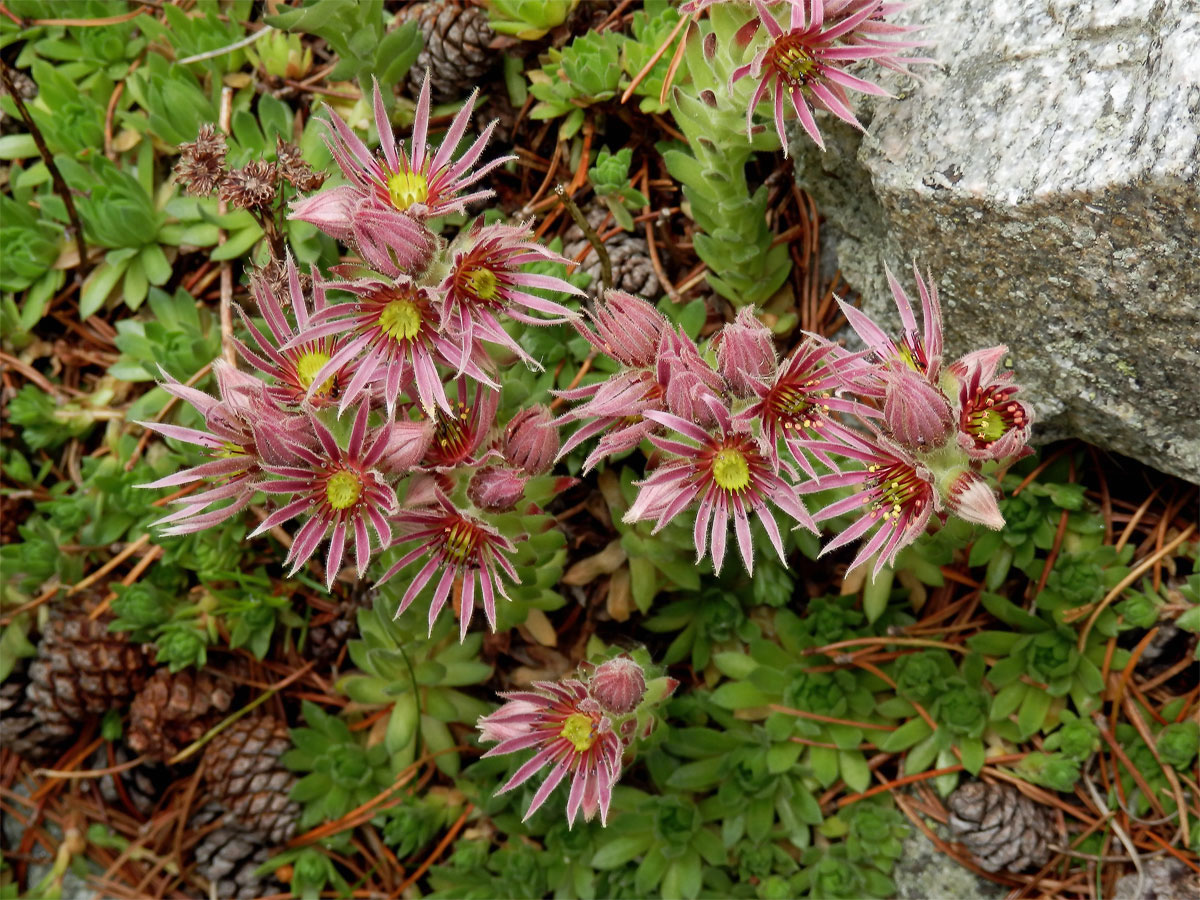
[348,410]
[912,437]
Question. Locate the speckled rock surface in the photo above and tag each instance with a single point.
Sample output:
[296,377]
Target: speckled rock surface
[1048,173]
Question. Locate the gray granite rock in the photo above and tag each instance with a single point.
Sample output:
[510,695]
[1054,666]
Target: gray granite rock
[924,872]
[1048,172]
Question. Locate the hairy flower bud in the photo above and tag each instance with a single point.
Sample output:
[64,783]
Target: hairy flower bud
[618,685]
[406,445]
[745,353]
[970,498]
[531,440]
[496,489]
[628,329]
[915,411]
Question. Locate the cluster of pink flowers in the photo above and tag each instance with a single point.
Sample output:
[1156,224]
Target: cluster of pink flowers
[579,727]
[747,432]
[387,392]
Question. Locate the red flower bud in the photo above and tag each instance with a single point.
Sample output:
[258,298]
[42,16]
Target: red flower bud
[531,440]
[745,353]
[496,489]
[618,685]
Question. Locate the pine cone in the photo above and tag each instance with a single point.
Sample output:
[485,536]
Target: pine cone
[1001,827]
[171,711]
[143,785]
[81,670]
[456,50]
[632,271]
[245,777]
[228,857]
[21,731]
[1162,879]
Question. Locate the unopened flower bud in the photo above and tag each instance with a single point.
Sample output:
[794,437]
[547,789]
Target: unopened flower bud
[618,685]
[628,328]
[406,446]
[531,440]
[916,413]
[690,384]
[970,498]
[496,489]
[745,353]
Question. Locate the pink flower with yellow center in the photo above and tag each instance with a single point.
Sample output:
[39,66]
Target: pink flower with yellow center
[245,432]
[919,349]
[804,65]
[486,279]
[460,432]
[992,423]
[896,494]
[728,474]
[387,200]
[462,548]
[296,359]
[796,406]
[341,491]
[392,327]
[572,736]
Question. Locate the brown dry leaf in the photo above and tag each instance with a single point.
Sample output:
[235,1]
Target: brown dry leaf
[854,581]
[539,628]
[620,595]
[917,592]
[588,570]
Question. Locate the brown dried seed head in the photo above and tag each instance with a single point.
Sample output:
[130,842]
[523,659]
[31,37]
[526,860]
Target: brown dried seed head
[294,170]
[254,186]
[201,166]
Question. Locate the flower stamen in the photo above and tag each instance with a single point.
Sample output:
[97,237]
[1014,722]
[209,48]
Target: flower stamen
[407,188]
[343,489]
[580,731]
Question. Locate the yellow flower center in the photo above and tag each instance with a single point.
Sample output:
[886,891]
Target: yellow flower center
[988,425]
[307,368]
[343,489]
[400,320]
[407,188]
[229,451]
[459,541]
[794,60]
[484,284]
[579,730]
[730,470]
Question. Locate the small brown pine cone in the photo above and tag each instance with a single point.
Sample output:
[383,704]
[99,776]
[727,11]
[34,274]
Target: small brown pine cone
[171,711]
[142,786]
[245,776]
[229,856]
[82,670]
[632,270]
[456,48]
[21,731]
[1001,827]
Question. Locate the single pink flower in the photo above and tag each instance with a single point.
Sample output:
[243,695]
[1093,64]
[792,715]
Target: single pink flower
[460,546]
[896,493]
[388,199]
[572,736]
[341,491]
[969,497]
[391,334]
[795,407]
[486,278]
[915,412]
[294,357]
[460,433]
[245,431]
[992,424]
[618,685]
[804,65]
[728,474]
[919,350]
[627,329]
